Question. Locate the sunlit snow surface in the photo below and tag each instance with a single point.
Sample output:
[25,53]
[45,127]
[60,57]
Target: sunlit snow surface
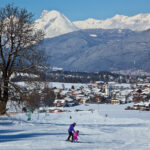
[121,130]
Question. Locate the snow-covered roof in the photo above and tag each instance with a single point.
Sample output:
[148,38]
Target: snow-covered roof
[80,95]
[64,92]
[147,103]
[124,85]
[68,99]
[126,92]
[59,100]
[143,103]
[146,91]
[96,90]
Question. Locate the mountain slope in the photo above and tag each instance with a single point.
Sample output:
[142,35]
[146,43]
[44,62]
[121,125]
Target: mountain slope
[98,49]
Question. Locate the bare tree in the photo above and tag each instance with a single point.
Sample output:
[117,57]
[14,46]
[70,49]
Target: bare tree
[20,49]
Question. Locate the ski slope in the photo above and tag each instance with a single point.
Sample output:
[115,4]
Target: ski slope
[121,130]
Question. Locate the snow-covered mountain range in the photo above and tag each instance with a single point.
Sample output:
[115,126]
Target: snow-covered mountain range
[139,22]
[54,23]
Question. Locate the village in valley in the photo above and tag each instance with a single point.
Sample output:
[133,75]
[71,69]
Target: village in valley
[99,92]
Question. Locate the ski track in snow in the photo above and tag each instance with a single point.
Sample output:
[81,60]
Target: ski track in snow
[121,130]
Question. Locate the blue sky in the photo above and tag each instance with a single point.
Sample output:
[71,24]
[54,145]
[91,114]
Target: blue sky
[84,9]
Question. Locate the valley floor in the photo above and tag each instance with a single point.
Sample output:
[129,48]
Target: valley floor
[120,130]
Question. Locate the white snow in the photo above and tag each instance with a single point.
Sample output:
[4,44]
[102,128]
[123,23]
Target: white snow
[139,22]
[66,85]
[54,24]
[23,75]
[121,130]
[93,35]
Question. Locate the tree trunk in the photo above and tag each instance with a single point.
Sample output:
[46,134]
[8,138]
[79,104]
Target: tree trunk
[2,107]
[4,97]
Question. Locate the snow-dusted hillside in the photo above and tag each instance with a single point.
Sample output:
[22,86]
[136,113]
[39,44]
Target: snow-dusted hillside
[54,24]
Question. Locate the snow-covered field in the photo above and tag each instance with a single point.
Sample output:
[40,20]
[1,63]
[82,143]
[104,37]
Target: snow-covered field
[121,130]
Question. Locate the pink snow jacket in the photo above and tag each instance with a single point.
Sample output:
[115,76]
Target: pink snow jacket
[75,136]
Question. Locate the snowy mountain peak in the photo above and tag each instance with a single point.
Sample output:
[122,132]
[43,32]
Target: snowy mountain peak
[50,14]
[118,17]
[44,13]
[54,23]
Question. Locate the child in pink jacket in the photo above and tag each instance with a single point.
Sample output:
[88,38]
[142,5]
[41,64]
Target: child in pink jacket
[75,136]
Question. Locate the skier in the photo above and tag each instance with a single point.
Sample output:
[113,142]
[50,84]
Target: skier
[70,132]
[75,136]
[106,117]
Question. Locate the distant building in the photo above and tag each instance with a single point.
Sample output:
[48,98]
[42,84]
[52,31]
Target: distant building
[115,101]
[107,89]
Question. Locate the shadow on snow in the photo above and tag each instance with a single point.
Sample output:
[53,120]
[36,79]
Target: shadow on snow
[22,136]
